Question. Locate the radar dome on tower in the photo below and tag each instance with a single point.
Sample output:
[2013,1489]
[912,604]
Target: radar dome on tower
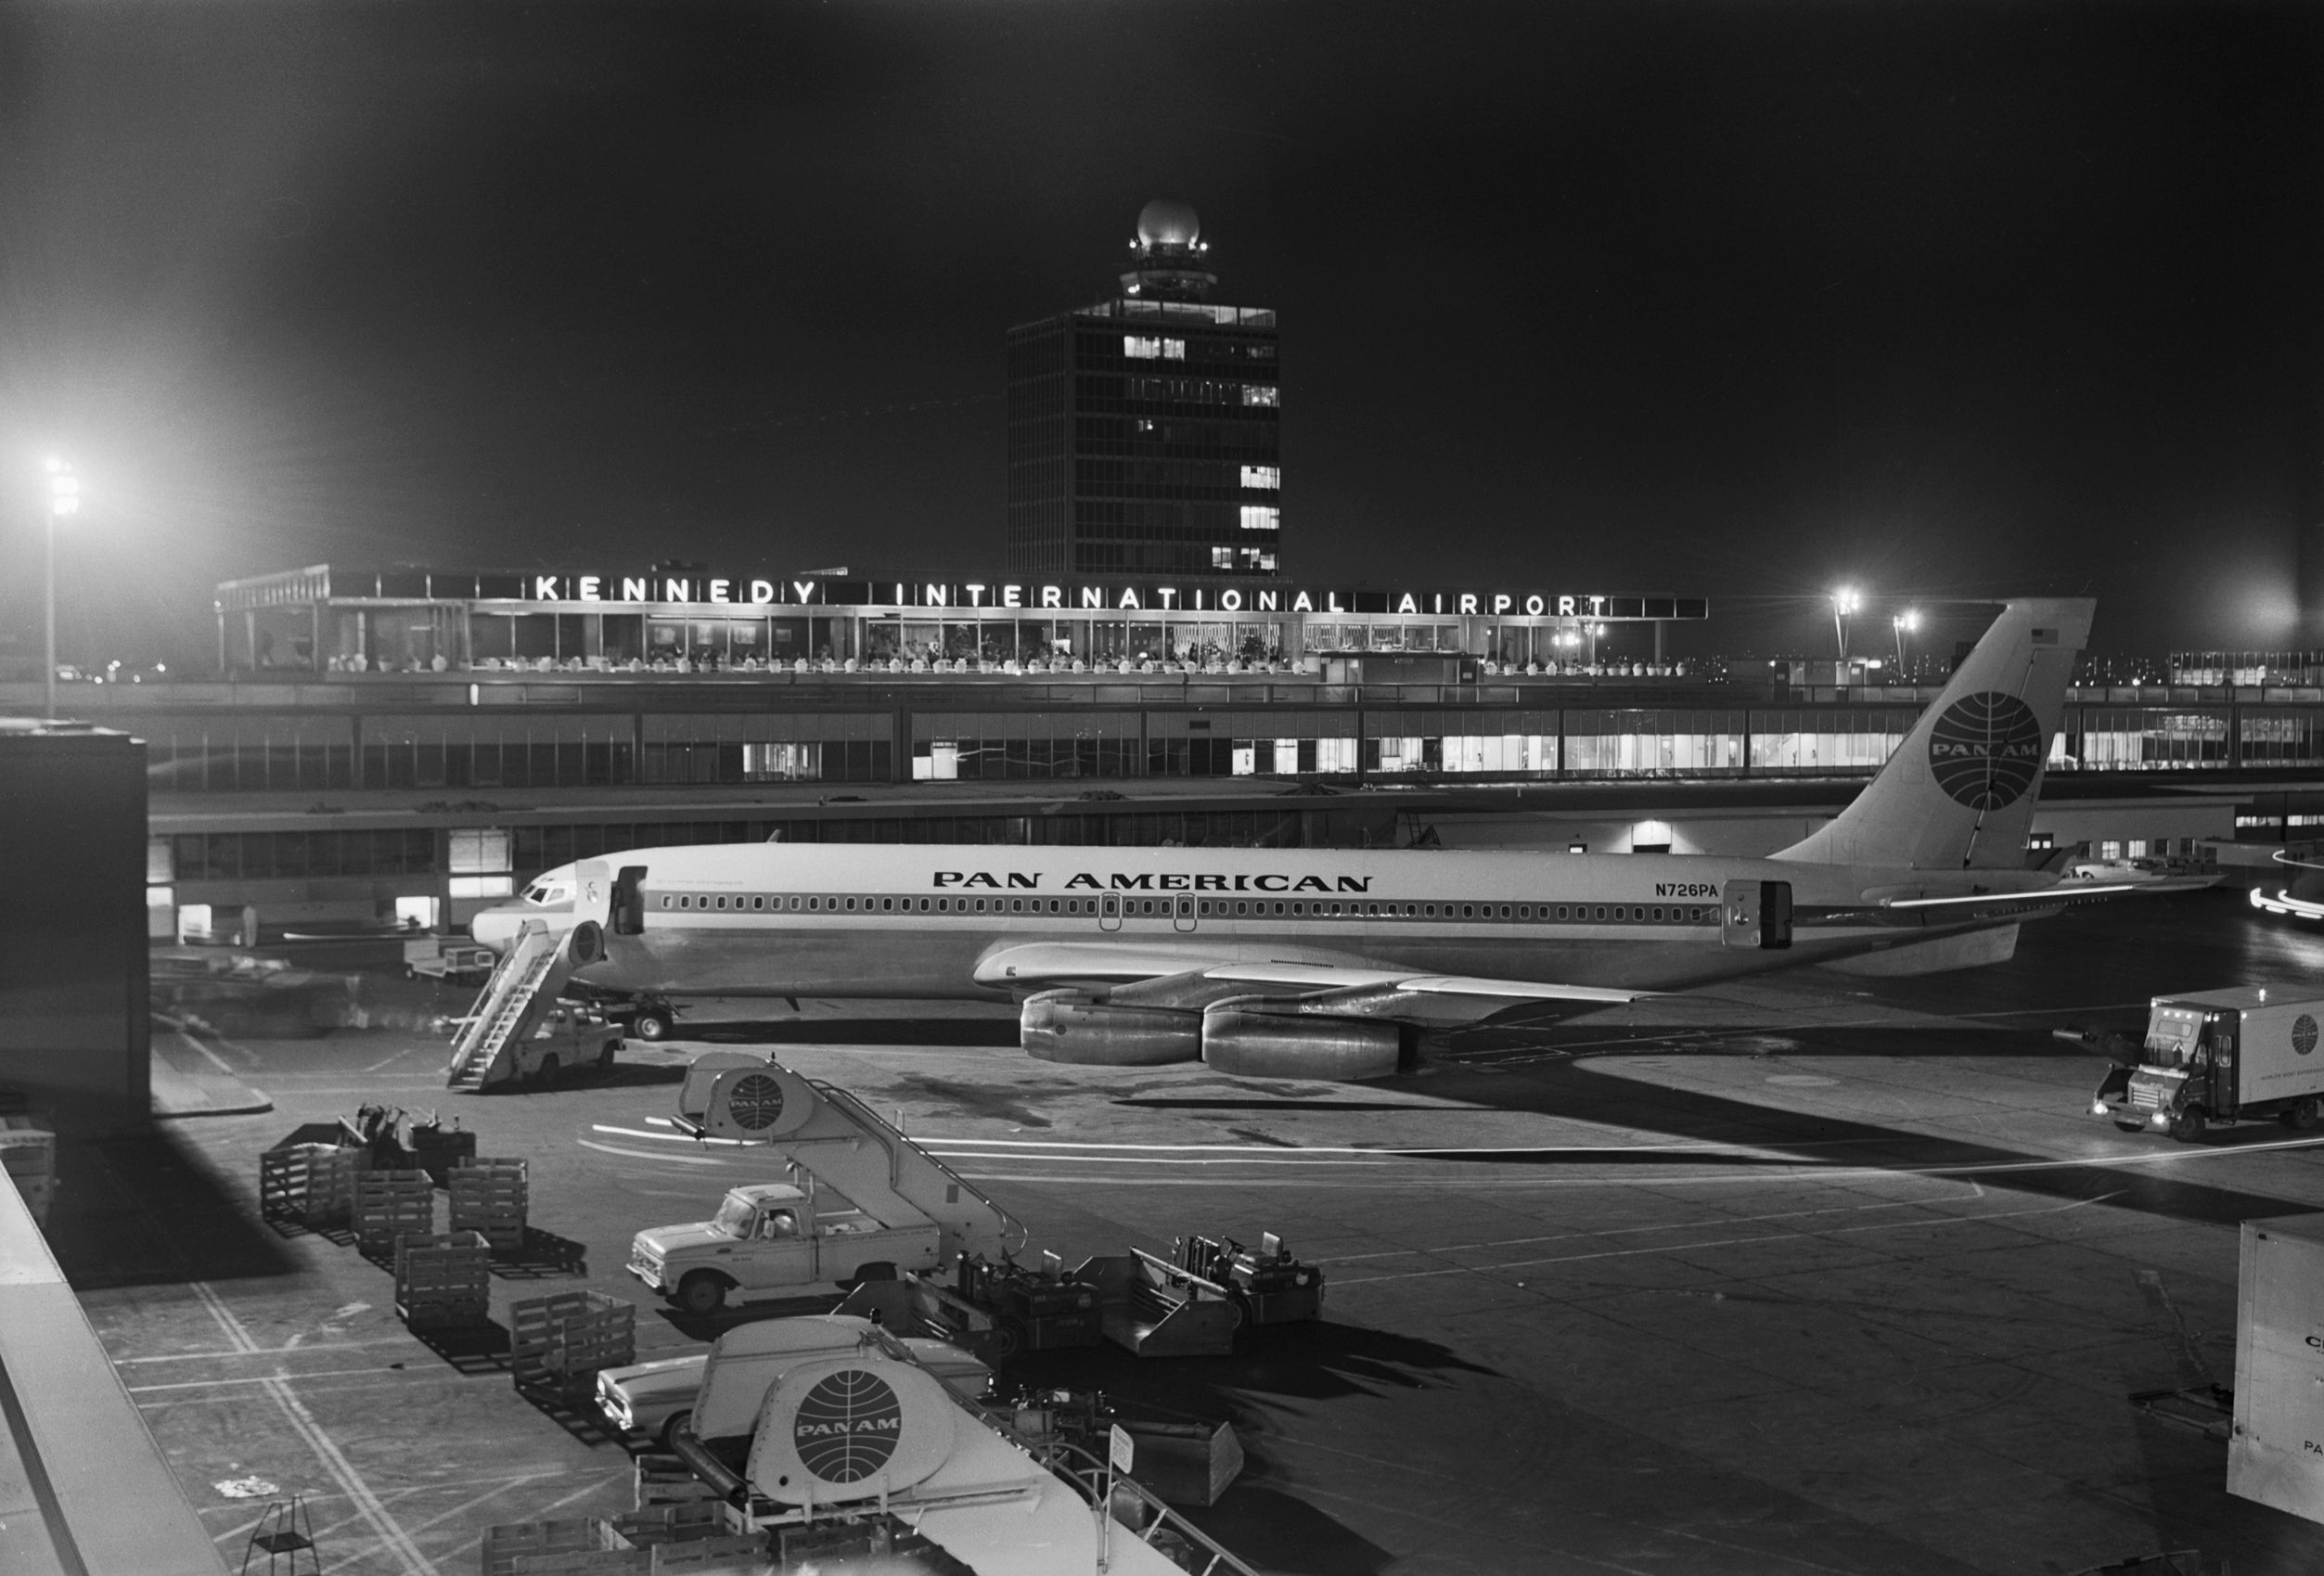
[1168,254]
[1167,222]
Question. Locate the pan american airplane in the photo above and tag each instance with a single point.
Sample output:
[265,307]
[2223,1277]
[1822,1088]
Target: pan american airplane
[1331,964]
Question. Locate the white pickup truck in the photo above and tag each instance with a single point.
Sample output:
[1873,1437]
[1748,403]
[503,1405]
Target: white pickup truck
[771,1238]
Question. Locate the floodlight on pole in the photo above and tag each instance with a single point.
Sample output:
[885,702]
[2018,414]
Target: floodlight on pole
[64,498]
[1845,601]
[1904,624]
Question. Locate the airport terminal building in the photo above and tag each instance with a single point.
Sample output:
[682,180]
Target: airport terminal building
[416,743]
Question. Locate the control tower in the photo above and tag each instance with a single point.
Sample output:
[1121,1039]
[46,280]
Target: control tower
[1143,429]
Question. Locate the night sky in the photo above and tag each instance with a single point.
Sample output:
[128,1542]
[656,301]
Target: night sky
[1738,301]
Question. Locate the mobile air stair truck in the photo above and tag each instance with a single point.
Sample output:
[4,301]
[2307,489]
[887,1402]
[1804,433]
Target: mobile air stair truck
[2237,1055]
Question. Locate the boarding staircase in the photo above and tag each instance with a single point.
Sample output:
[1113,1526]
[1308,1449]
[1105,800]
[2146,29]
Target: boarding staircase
[523,985]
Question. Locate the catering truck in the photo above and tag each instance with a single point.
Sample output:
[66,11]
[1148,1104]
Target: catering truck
[2237,1055]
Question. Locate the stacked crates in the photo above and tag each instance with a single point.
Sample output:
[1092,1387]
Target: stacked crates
[312,1183]
[29,1155]
[442,1282]
[592,1547]
[489,1197]
[389,1204]
[585,1544]
[568,1335]
[665,1480]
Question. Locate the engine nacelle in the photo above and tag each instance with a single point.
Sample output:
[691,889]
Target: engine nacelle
[1067,1026]
[1244,1044]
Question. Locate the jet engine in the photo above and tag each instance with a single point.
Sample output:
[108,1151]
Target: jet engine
[1067,1026]
[1247,1044]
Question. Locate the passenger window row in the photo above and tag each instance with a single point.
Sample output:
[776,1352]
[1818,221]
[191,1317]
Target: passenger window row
[1218,908]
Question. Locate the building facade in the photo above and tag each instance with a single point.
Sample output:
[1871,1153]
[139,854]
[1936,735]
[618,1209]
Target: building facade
[1143,431]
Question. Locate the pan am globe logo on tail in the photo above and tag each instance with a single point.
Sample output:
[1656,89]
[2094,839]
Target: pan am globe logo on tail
[1985,750]
[847,1425]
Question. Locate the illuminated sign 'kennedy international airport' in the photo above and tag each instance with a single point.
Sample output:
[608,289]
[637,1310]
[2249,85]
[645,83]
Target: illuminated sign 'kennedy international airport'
[973,596]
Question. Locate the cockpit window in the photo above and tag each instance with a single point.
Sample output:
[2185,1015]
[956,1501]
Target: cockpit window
[543,892]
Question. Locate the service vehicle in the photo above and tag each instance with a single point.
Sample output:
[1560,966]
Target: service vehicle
[2240,1054]
[444,957]
[523,1029]
[865,1202]
[654,1398]
[774,1237]
[824,1427]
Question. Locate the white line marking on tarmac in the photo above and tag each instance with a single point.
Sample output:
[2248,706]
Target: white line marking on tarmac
[1424,1151]
[642,1155]
[302,1423]
[253,1379]
[1622,1231]
[391,1534]
[1722,1242]
[254,1351]
[213,1057]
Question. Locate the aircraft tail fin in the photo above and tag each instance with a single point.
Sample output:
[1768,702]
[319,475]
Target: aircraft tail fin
[1959,792]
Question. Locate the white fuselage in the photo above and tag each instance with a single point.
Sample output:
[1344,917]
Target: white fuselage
[928,920]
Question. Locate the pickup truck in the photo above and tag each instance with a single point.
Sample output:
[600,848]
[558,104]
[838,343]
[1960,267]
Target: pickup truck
[769,1238]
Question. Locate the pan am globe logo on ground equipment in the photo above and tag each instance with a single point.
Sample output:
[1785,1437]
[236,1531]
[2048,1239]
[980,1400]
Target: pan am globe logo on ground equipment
[847,1425]
[1985,750]
[756,1102]
[2303,1034]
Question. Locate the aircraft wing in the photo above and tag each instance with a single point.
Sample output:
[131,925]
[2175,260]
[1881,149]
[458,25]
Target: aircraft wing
[1163,975]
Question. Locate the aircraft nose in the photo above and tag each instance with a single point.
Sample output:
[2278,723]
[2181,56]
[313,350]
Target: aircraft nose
[494,927]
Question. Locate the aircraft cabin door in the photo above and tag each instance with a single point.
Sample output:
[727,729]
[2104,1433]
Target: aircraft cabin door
[1757,914]
[1184,917]
[1110,912]
[629,903]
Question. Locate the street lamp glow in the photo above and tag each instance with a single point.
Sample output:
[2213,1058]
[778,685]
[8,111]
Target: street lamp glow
[1904,624]
[1845,600]
[64,498]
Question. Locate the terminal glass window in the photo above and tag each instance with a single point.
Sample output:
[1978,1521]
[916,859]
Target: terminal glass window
[1827,740]
[2122,740]
[1653,743]
[2282,737]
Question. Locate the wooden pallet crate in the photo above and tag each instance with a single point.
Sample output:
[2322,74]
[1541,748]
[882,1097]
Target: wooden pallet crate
[537,1548]
[312,1184]
[443,1280]
[663,1481]
[570,1335]
[678,1521]
[725,1552]
[492,1197]
[389,1204]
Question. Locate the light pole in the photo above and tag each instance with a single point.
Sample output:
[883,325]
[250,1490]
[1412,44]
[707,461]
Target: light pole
[1845,601]
[64,498]
[1904,624]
